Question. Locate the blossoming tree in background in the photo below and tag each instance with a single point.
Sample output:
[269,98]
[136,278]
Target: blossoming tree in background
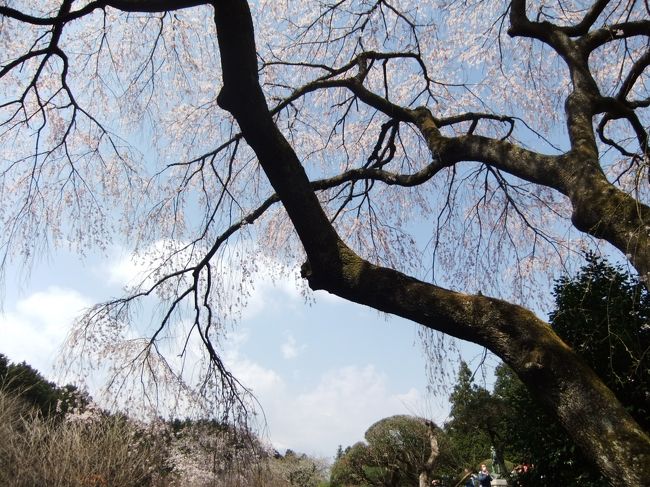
[494,131]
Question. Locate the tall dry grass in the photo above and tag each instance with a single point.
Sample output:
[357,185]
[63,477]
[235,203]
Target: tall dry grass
[90,451]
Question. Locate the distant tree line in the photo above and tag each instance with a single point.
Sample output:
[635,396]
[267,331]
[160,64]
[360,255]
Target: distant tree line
[45,396]
[58,437]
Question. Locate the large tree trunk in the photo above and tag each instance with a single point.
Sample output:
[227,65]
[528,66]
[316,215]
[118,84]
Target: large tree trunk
[554,374]
[427,469]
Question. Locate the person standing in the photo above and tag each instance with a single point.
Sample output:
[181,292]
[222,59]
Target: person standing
[468,478]
[484,477]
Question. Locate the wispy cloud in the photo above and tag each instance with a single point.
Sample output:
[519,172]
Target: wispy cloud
[334,409]
[38,325]
[339,408]
[291,349]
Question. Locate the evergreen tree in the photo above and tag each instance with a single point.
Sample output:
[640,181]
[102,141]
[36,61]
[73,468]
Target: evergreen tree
[48,398]
[467,440]
[534,439]
[603,313]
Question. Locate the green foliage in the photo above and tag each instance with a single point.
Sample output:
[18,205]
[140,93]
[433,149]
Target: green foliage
[399,447]
[533,437]
[299,470]
[467,434]
[604,314]
[348,469]
[396,451]
[49,399]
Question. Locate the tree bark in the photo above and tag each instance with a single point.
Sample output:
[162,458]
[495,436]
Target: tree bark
[549,368]
[426,474]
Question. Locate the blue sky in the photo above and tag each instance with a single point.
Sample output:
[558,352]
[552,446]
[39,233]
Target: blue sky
[322,371]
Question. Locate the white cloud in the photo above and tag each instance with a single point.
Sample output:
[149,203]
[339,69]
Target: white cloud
[124,270]
[35,330]
[336,408]
[268,294]
[260,380]
[329,298]
[128,269]
[339,409]
[291,349]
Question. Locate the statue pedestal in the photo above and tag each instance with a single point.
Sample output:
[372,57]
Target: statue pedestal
[499,483]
